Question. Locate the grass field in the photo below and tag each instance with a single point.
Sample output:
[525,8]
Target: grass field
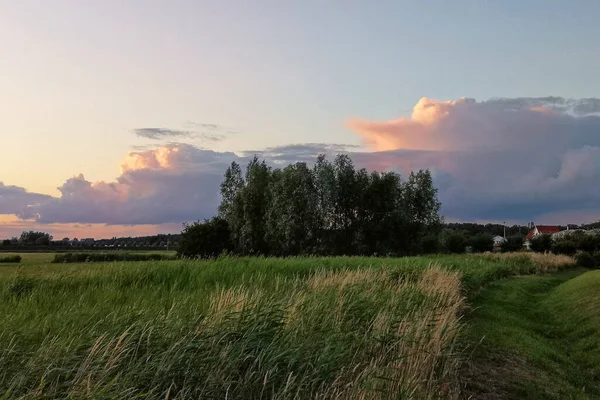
[540,338]
[354,328]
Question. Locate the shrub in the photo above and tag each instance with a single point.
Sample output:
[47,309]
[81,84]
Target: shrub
[430,244]
[596,256]
[10,259]
[481,242]
[541,243]
[206,239]
[565,246]
[109,256]
[585,259]
[455,243]
[512,244]
[589,242]
[577,241]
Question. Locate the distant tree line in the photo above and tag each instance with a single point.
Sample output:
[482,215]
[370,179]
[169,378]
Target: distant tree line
[471,228]
[331,208]
[32,240]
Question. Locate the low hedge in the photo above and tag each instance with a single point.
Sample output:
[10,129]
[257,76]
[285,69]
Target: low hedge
[109,256]
[10,259]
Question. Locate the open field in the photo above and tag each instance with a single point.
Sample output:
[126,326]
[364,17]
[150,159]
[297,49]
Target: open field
[344,327]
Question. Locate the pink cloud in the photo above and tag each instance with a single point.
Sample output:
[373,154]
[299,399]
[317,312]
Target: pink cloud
[415,133]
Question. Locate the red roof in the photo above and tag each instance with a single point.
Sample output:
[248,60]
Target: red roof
[542,229]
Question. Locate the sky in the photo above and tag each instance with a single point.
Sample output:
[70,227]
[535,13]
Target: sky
[119,117]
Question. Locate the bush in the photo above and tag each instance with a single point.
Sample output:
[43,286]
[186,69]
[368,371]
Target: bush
[541,243]
[455,243]
[430,244]
[589,242]
[585,259]
[570,244]
[109,256]
[206,239]
[481,242]
[512,244]
[565,246]
[596,256]
[10,259]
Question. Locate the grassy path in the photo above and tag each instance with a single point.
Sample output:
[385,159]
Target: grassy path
[538,337]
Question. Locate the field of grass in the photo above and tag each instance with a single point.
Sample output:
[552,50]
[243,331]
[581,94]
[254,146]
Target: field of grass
[243,328]
[539,338]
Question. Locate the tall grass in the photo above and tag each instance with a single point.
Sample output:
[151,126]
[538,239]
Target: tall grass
[239,328]
[544,263]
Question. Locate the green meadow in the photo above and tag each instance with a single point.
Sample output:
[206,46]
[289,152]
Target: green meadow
[294,328]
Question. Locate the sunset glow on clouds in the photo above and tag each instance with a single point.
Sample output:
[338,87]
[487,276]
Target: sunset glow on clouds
[466,124]
[502,159]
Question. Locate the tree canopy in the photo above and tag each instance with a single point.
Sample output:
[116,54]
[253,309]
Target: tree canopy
[330,208]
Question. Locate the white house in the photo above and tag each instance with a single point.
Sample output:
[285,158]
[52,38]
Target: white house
[498,240]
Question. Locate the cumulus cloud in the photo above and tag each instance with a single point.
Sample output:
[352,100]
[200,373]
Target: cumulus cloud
[466,124]
[172,183]
[502,158]
[15,200]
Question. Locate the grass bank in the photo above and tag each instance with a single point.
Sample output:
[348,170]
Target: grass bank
[537,338]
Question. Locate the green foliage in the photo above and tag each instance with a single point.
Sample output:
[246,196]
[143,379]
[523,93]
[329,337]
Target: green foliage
[565,246]
[580,240]
[541,243]
[331,209]
[481,242]
[6,242]
[32,237]
[206,239]
[585,259]
[292,218]
[13,259]
[472,228]
[108,256]
[512,244]
[455,242]
[430,244]
[596,256]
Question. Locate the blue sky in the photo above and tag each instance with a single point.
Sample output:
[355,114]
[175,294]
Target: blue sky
[78,78]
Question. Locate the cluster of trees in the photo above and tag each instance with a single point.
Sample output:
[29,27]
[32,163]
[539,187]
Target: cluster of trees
[33,237]
[330,208]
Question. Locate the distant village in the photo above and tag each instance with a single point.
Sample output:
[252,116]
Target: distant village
[554,231]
